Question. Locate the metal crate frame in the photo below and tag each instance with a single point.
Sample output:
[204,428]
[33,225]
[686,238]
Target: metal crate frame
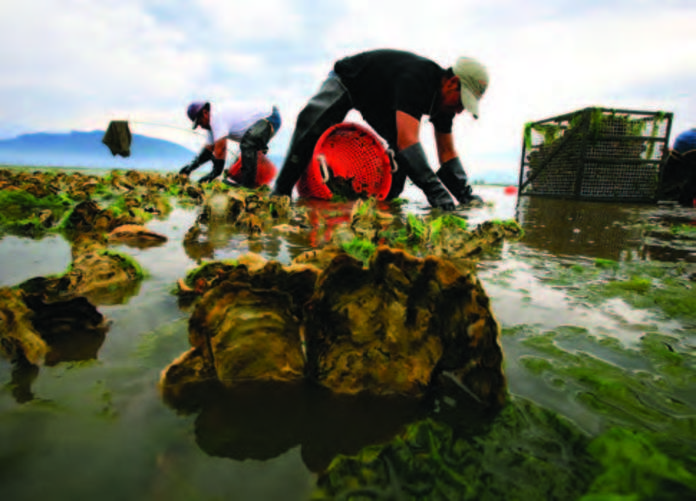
[593,158]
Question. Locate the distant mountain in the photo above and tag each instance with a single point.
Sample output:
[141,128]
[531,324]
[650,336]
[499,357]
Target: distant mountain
[85,149]
[496,177]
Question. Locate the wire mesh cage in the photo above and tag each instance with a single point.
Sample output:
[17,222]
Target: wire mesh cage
[596,154]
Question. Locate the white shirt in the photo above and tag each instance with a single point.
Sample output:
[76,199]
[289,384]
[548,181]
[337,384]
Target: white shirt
[233,122]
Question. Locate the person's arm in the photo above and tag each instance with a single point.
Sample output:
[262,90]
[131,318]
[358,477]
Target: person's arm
[445,147]
[407,130]
[412,160]
[220,148]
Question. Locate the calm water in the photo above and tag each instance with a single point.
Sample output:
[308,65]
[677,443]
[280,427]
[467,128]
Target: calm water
[98,429]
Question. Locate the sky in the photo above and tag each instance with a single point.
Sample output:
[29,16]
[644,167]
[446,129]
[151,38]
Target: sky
[77,64]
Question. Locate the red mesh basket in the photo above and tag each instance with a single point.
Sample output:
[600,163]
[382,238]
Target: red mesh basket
[349,160]
[265,170]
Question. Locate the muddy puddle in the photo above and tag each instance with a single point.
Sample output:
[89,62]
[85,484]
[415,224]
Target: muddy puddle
[599,341]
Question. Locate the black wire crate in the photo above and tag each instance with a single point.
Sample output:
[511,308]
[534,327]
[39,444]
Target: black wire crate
[596,154]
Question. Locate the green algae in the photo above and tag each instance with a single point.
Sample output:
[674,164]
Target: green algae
[606,263]
[525,452]
[210,270]
[416,228]
[683,230]
[675,299]
[634,468]
[129,205]
[155,347]
[639,285]
[646,399]
[440,225]
[360,249]
[448,235]
[663,288]
[126,262]
[536,365]
[646,449]
[20,211]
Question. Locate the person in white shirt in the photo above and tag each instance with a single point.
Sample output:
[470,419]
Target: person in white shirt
[251,126]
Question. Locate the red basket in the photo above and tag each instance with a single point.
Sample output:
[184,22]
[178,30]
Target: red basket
[265,170]
[352,155]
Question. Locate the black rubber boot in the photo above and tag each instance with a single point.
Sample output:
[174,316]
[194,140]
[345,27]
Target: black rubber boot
[413,162]
[453,176]
[204,156]
[255,140]
[397,184]
[290,173]
[249,165]
[218,166]
[328,107]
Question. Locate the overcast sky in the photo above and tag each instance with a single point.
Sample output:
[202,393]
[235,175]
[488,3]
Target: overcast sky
[76,64]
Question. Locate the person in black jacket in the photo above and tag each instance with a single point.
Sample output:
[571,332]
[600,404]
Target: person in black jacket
[392,90]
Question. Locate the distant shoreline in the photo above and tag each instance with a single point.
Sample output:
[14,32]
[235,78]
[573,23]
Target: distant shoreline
[106,170]
[100,170]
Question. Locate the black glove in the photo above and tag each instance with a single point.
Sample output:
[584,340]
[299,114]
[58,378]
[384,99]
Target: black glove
[218,165]
[453,176]
[204,156]
[415,165]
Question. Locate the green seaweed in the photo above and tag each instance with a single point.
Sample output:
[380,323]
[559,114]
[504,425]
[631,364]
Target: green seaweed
[19,211]
[683,229]
[675,300]
[360,249]
[154,348]
[646,450]
[635,468]
[535,364]
[550,132]
[130,206]
[416,228]
[209,270]
[397,202]
[443,225]
[525,452]
[640,285]
[626,397]
[659,287]
[363,208]
[606,263]
[600,121]
[127,262]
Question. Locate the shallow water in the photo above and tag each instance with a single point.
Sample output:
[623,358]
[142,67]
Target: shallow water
[100,429]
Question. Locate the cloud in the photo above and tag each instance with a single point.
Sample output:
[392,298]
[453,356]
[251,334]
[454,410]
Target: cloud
[86,58]
[250,21]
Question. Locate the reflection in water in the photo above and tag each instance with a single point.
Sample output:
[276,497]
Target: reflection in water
[263,420]
[661,243]
[575,228]
[73,330]
[221,240]
[202,240]
[23,376]
[218,240]
[323,217]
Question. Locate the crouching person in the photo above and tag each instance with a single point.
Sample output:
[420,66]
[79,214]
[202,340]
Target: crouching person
[251,127]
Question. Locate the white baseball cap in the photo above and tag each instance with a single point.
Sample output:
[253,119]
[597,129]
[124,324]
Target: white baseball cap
[474,82]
